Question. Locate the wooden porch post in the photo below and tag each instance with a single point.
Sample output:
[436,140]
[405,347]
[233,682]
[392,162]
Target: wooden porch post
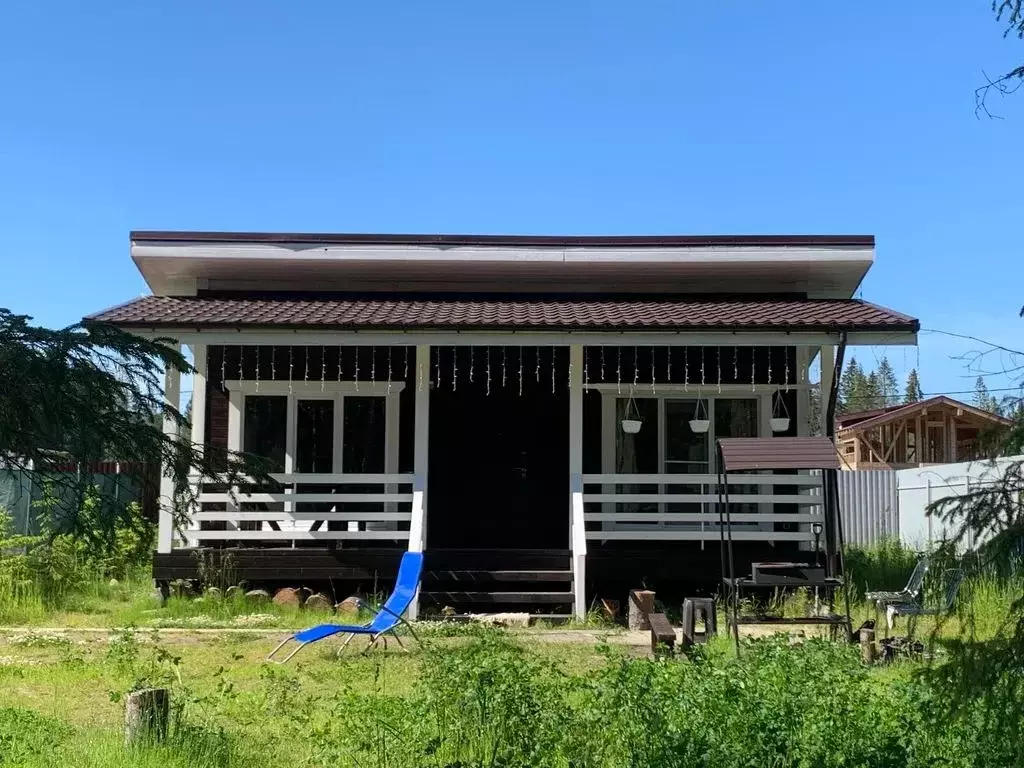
[577,536]
[172,396]
[828,364]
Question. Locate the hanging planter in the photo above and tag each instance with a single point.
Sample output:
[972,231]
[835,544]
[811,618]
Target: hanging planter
[780,416]
[631,426]
[700,423]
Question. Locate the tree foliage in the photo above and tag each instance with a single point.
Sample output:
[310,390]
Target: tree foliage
[912,392]
[984,399]
[1010,13]
[92,392]
[861,390]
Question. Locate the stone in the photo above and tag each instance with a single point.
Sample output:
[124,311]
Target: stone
[213,593]
[319,602]
[258,595]
[348,605]
[288,596]
[234,592]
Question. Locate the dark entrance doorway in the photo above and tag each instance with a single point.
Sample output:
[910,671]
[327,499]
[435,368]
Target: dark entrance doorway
[499,465]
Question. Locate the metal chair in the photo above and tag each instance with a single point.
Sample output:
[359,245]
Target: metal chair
[954,579]
[908,594]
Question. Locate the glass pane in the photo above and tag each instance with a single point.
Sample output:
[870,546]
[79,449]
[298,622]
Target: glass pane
[363,435]
[736,417]
[314,436]
[636,453]
[682,444]
[265,427]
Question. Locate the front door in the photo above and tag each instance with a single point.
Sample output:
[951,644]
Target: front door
[499,470]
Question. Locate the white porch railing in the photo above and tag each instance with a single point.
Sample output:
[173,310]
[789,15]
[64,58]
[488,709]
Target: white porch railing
[382,508]
[645,510]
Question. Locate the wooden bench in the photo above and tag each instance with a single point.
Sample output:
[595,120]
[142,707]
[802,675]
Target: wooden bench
[662,633]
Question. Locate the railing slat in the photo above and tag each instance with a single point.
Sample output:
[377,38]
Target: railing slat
[695,517]
[670,479]
[697,498]
[300,498]
[670,535]
[293,535]
[299,517]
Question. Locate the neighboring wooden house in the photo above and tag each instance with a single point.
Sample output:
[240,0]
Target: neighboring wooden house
[537,413]
[939,430]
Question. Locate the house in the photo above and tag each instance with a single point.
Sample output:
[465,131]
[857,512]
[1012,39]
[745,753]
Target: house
[939,430]
[537,413]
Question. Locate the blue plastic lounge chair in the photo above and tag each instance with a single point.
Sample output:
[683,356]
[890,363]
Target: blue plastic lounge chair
[387,617]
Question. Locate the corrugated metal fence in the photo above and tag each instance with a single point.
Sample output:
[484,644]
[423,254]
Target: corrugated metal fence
[869,503]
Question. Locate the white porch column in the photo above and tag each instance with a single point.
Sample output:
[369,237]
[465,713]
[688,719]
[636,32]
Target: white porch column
[828,364]
[421,456]
[199,394]
[576,528]
[172,396]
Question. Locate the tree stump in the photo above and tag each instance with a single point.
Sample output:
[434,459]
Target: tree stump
[145,715]
[641,604]
[319,602]
[288,596]
[867,646]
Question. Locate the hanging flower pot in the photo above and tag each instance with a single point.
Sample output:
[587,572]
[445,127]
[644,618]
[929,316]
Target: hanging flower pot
[780,416]
[630,425]
[700,423]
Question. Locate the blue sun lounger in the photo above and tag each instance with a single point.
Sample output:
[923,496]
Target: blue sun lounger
[387,618]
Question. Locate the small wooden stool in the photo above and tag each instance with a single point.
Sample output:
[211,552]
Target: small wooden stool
[706,607]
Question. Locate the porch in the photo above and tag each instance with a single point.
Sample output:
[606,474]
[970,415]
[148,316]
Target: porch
[507,463]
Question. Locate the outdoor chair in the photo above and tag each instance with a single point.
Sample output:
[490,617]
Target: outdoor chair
[388,616]
[954,579]
[908,594]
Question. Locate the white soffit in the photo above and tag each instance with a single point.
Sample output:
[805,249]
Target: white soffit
[819,271]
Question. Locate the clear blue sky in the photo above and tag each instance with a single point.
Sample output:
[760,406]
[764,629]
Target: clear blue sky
[517,117]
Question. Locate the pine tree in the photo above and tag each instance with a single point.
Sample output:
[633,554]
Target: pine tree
[984,399]
[913,393]
[871,393]
[849,383]
[888,387]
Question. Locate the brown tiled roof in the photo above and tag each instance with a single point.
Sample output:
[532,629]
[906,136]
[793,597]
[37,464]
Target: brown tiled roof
[740,453]
[489,312]
[868,419]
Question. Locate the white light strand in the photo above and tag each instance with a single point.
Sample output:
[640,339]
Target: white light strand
[419,374]
[785,371]
[753,369]
[488,370]
[537,351]
[224,368]
[718,361]
[455,369]
[569,368]
[636,369]
[373,365]
[769,350]
[257,369]
[522,354]
[323,367]
[339,363]
[703,380]
[405,363]
[653,390]
[291,367]
[618,370]
[686,369]
[504,364]
[305,360]
[356,378]
[273,363]
[472,361]
[668,366]
[552,370]
[241,355]
[735,365]
[586,369]
[602,365]
[389,369]
[437,367]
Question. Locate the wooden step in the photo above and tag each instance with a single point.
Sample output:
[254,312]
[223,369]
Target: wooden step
[496,559]
[517,598]
[445,575]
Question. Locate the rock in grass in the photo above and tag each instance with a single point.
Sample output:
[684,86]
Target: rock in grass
[319,602]
[348,605]
[258,595]
[288,596]
[213,593]
[234,592]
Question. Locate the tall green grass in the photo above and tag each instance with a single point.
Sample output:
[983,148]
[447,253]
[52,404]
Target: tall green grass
[884,566]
